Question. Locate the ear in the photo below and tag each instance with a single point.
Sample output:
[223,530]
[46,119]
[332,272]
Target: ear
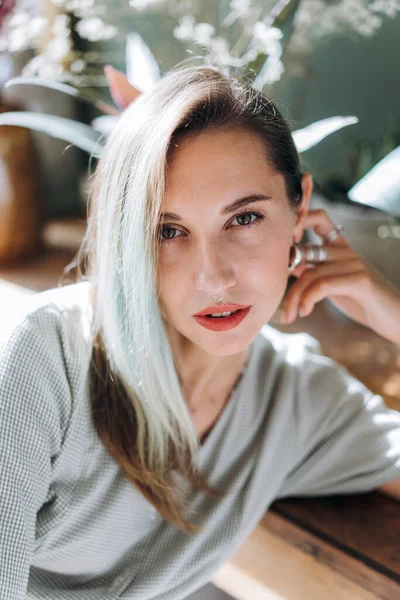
[122,92]
[302,209]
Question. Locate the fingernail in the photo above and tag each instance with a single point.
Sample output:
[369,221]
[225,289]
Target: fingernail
[302,311]
[288,318]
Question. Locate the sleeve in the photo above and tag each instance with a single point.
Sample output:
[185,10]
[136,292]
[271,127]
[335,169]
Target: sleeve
[33,389]
[347,438]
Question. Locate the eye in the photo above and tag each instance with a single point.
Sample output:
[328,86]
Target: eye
[168,240]
[259,217]
[258,220]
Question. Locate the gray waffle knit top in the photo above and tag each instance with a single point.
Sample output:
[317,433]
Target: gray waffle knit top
[73,528]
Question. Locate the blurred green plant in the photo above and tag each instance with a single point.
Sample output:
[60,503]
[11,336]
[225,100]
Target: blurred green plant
[363,154]
[246,40]
[92,138]
[245,34]
[373,177]
[376,168]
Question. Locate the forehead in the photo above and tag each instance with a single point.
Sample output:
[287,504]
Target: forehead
[215,160]
[214,144]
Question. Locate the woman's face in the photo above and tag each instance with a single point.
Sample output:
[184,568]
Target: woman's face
[210,249]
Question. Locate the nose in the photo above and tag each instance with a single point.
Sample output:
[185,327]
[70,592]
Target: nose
[215,273]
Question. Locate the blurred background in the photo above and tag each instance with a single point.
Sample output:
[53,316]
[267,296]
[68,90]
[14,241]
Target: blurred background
[331,67]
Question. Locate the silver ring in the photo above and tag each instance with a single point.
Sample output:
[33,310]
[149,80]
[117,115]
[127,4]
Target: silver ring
[314,253]
[220,298]
[333,234]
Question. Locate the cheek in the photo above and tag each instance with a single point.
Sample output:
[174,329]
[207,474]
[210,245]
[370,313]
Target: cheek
[171,271]
[270,255]
[267,270]
[171,282]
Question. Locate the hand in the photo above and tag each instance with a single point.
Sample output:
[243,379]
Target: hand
[351,284]
[122,92]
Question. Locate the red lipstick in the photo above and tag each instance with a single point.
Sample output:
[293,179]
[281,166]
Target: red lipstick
[220,309]
[223,323]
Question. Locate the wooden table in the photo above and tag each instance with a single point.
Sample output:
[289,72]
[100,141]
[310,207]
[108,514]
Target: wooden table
[335,548]
[343,547]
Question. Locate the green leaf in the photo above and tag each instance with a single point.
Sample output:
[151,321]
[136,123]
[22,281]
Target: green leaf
[79,94]
[78,134]
[313,134]
[380,187]
[104,124]
[142,69]
[285,18]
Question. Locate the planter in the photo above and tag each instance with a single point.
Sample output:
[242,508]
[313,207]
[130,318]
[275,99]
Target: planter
[21,196]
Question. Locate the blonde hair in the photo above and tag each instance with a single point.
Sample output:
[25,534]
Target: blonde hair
[138,408]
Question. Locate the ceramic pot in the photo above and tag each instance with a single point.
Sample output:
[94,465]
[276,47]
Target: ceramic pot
[22,206]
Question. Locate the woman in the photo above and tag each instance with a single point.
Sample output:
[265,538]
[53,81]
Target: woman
[142,443]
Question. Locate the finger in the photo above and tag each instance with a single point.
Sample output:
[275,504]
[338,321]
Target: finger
[322,224]
[336,285]
[294,296]
[297,291]
[299,270]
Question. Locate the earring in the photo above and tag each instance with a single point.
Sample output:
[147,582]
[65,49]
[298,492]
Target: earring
[298,256]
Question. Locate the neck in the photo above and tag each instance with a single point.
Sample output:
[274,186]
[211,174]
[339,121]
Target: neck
[203,375]
[212,380]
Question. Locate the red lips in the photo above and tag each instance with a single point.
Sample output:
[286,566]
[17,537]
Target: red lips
[220,309]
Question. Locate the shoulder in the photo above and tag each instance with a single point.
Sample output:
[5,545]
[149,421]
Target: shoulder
[44,352]
[287,353]
[320,392]
[57,311]
[308,377]
[296,346]
[19,302]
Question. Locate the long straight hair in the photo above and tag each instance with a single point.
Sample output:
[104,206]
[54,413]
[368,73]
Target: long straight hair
[137,404]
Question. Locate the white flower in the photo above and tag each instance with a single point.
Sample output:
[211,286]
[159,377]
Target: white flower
[184,31]
[24,31]
[219,44]
[94,29]
[265,40]
[316,19]
[84,8]
[17,40]
[203,32]
[77,65]
[189,30]
[242,7]
[82,5]
[265,33]
[59,48]
[60,26]
[388,7]
[270,73]
[145,4]
[268,37]
[37,26]
[18,19]
[44,66]
[239,9]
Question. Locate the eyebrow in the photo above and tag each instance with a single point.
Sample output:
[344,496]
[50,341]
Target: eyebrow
[228,209]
